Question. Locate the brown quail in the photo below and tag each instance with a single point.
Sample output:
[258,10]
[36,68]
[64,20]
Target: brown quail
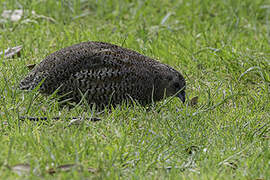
[104,74]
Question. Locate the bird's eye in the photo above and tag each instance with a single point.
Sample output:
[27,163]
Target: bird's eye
[176,85]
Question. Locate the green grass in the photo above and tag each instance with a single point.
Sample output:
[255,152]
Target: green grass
[222,49]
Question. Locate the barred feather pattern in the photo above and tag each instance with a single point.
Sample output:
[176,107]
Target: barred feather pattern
[103,73]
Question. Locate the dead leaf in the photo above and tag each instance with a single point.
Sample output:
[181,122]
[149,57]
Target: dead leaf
[12,52]
[51,171]
[194,101]
[21,169]
[30,66]
[192,149]
[12,15]
[92,170]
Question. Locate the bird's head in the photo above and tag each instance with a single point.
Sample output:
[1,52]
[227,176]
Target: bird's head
[176,85]
[171,83]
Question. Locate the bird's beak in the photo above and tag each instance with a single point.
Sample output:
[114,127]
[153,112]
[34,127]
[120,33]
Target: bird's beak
[182,96]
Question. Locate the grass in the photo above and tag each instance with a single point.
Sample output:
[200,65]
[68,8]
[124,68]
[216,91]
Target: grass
[222,49]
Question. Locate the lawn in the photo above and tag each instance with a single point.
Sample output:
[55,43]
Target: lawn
[221,47]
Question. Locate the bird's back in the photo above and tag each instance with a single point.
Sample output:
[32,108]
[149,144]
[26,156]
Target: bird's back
[102,72]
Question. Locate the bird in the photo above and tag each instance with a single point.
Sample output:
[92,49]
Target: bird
[104,74]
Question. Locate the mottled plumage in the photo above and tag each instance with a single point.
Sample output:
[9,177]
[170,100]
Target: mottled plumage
[104,73]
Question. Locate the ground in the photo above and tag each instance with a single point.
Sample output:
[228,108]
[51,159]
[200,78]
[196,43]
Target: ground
[221,48]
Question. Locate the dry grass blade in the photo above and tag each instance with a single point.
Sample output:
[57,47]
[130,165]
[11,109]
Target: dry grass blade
[39,16]
[165,18]
[20,169]
[23,118]
[63,168]
[232,165]
[80,120]
[69,167]
[74,120]
[12,52]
